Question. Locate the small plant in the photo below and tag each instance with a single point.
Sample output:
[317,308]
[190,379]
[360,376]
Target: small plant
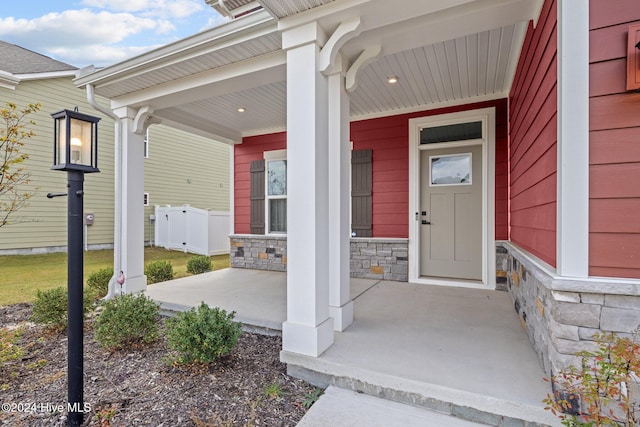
[598,392]
[198,264]
[104,416]
[312,397]
[50,308]
[127,319]
[9,349]
[273,391]
[158,271]
[98,282]
[202,335]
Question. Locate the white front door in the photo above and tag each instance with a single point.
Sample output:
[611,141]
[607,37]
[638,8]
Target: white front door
[452,198]
[451,212]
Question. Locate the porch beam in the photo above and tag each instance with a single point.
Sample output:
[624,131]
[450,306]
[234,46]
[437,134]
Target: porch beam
[573,139]
[308,329]
[131,254]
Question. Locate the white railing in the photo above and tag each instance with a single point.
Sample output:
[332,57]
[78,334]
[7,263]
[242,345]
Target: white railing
[188,229]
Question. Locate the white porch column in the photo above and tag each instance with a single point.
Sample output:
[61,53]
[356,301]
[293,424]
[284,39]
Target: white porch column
[573,139]
[308,329]
[340,303]
[131,203]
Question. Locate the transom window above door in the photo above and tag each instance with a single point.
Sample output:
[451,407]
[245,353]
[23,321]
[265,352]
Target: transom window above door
[449,133]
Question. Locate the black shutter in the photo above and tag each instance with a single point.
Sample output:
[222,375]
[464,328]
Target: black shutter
[256,222]
[361,189]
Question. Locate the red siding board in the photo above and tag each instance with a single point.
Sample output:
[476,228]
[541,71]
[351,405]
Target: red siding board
[606,78]
[541,243]
[532,144]
[604,13]
[614,216]
[541,139]
[614,150]
[614,181]
[615,146]
[608,43]
[615,251]
[614,111]
[614,272]
[543,192]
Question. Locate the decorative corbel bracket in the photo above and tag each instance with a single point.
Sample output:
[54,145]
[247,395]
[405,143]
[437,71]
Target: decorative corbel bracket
[346,31]
[366,57]
[144,119]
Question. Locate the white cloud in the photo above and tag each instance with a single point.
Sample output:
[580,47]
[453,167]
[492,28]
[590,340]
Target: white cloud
[75,28]
[108,31]
[162,9]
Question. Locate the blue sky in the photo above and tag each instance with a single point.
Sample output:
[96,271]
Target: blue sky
[101,32]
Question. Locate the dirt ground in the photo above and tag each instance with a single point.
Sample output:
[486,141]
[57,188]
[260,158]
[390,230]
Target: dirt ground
[141,386]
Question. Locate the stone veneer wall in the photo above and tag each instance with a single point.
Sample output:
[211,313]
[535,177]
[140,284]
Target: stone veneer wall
[386,259]
[258,252]
[561,315]
[370,258]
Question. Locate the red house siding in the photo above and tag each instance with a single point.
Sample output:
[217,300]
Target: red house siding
[388,138]
[533,155]
[252,148]
[614,150]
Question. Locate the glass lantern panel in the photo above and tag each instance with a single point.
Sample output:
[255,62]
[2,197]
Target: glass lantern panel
[61,129]
[80,142]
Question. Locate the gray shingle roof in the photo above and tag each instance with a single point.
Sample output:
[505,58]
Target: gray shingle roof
[17,60]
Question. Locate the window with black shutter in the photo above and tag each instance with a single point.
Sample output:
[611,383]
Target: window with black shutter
[361,190]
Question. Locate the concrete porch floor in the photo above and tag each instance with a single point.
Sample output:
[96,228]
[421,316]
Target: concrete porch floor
[452,350]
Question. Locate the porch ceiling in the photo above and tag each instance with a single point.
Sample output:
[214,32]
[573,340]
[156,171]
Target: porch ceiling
[441,56]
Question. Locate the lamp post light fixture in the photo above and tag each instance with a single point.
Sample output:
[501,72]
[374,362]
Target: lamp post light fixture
[75,150]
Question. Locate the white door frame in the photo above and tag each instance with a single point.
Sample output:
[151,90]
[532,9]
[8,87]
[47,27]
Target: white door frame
[488,118]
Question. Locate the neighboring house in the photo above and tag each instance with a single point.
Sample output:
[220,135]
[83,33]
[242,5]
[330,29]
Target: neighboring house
[174,175]
[490,144]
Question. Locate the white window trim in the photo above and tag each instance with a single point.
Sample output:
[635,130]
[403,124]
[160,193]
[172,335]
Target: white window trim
[269,156]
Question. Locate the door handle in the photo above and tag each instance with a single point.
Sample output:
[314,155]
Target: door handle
[424,221]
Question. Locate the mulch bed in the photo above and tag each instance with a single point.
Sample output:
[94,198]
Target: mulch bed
[141,387]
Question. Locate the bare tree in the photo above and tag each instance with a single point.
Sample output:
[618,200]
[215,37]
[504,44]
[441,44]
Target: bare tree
[13,175]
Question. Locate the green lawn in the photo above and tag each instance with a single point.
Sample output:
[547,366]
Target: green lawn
[22,275]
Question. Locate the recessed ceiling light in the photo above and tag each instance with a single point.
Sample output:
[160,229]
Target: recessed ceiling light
[241,110]
[392,79]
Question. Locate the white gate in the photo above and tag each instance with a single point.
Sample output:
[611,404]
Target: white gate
[188,229]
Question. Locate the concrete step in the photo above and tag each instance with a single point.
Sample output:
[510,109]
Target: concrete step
[463,405]
[345,408]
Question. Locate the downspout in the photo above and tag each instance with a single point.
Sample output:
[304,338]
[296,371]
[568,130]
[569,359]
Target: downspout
[117,244]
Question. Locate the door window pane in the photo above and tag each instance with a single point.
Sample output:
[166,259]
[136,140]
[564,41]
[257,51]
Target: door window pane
[450,170]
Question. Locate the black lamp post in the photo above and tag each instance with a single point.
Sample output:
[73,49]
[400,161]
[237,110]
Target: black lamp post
[75,150]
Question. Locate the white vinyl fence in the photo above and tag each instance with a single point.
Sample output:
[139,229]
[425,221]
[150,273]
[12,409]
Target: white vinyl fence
[188,229]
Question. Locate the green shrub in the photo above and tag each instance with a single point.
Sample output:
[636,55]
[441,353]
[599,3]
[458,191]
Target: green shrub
[98,282]
[127,319]
[158,271]
[198,264]
[50,308]
[202,335]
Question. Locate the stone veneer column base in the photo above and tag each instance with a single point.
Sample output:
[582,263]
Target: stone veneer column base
[561,315]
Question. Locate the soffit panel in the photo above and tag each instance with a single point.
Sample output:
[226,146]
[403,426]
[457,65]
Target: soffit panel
[203,62]
[284,8]
[468,67]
